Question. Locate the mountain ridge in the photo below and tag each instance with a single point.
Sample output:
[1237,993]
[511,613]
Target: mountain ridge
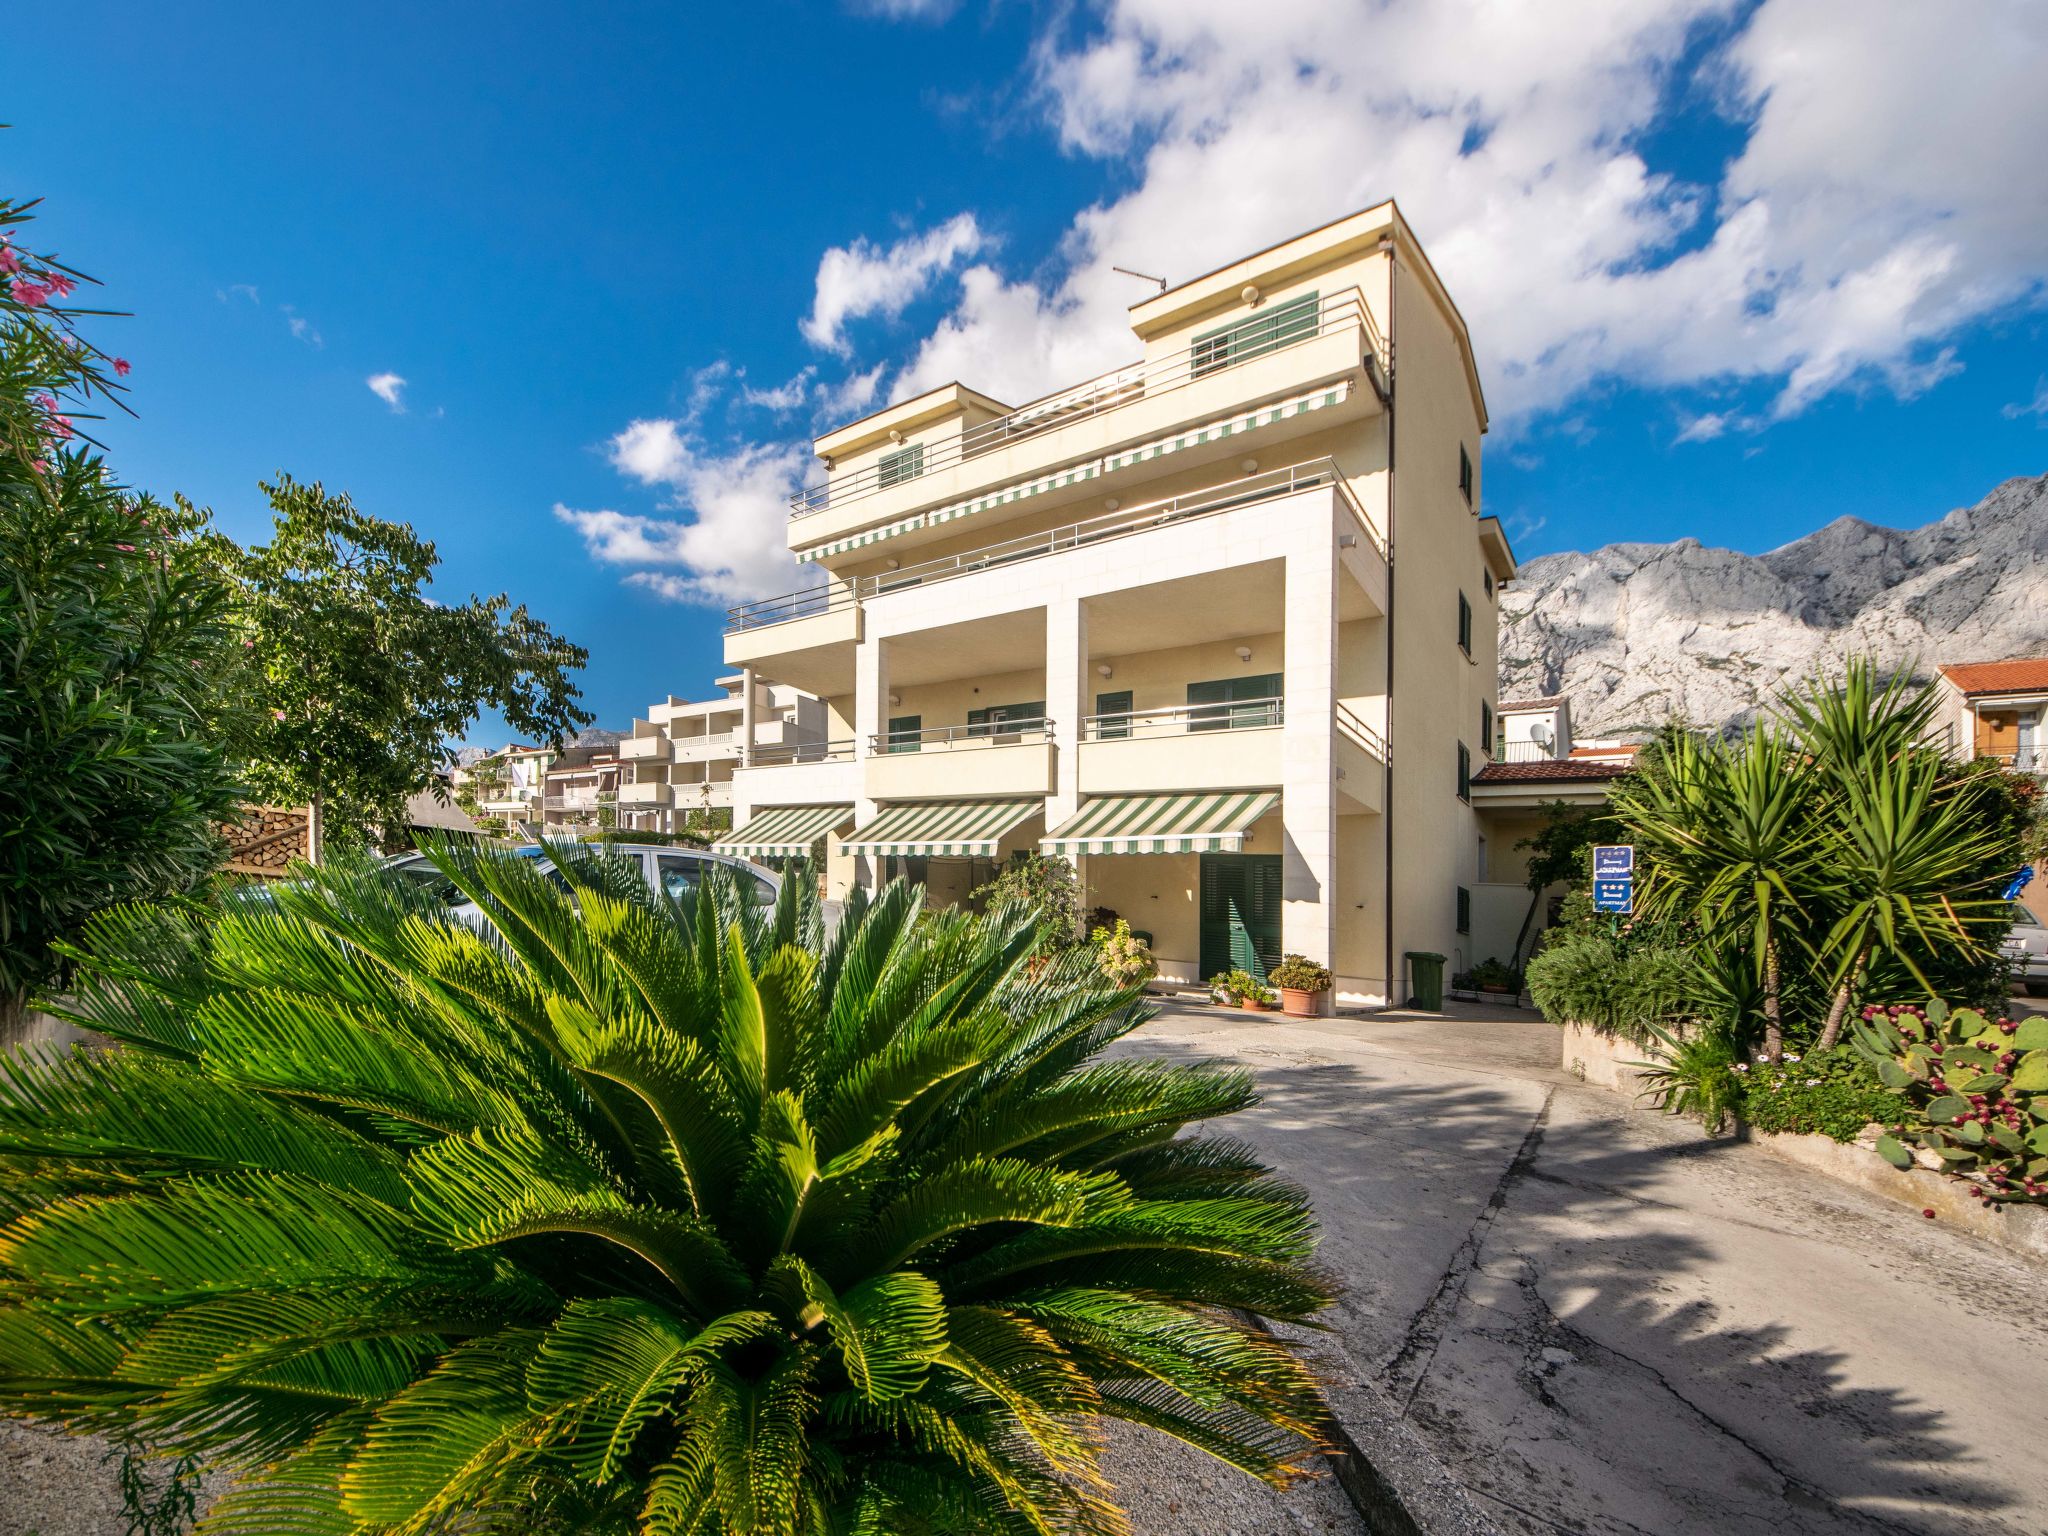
[1636,633]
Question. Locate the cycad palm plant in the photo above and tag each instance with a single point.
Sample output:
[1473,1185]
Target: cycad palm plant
[622,1216]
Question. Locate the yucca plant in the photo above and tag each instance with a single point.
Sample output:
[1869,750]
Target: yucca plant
[625,1216]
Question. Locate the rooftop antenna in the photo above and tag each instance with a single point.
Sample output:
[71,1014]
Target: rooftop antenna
[1142,276]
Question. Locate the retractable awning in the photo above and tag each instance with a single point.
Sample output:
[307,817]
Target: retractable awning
[784,831]
[959,828]
[1211,823]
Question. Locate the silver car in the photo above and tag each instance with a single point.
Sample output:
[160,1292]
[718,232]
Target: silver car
[2026,947]
[676,872]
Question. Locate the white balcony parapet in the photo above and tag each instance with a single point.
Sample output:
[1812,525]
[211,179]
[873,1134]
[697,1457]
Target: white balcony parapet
[1267,485]
[945,738]
[787,753]
[1181,720]
[1109,392]
[1349,724]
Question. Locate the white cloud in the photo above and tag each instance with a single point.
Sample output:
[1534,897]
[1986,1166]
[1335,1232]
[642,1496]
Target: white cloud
[2036,407]
[302,329]
[389,388]
[730,542]
[843,402]
[239,291]
[784,397]
[1844,241]
[1703,428]
[905,10]
[864,279]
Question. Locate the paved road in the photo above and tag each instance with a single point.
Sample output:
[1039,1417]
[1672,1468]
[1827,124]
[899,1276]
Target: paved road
[1605,1322]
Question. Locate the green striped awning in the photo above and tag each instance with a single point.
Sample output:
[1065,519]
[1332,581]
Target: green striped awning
[1237,422]
[956,827]
[1213,823]
[784,831]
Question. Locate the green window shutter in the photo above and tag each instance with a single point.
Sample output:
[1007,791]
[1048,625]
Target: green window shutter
[1273,328]
[1118,703]
[904,464]
[1464,910]
[1464,772]
[1465,473]
[903,731]
[1464,624]
[1485,726]
[1253,697]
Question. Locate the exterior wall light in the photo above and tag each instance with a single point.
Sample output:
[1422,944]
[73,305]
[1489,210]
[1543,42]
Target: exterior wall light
[1244,653]
[1105,670]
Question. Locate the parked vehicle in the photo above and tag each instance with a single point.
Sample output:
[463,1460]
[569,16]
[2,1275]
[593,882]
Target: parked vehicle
[2027,948]
[675,872]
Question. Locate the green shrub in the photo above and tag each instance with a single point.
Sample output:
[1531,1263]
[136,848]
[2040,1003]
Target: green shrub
[1241,987]
[1588,979]
[1124,959]
[634,1216]
[1834,1093]
[1489,973]
[1700,1075]
[1976,1092]
[1298,973]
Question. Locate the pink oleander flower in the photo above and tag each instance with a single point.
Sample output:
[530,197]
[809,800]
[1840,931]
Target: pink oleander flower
[31,294]
[45,401]
[59,427]
[41,466]
[9,262]
[121,367]
[60,284]
[129,549]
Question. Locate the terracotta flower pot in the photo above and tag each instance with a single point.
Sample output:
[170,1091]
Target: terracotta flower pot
[1301,1004]
[1249,1005]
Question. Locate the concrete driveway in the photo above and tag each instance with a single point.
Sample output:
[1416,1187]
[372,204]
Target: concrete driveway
[1603,1321]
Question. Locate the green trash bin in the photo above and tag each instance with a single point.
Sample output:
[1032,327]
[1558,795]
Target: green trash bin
[1425,981]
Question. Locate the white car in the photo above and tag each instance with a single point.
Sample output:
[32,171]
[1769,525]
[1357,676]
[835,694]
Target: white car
[2027,948]
[676,872]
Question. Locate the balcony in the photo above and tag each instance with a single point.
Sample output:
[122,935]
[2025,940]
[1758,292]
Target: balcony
[633,748]
[642,795]
[1237,745]
[702,795]
[839,601]
[954,762]
[799,773]
[1339,336]
[793,753]
[709,744]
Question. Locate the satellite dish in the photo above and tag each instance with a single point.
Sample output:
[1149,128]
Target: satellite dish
[1541,733]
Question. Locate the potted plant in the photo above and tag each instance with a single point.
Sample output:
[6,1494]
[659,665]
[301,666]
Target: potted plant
[1243,989]
[1124,958]
[1495,976]
[1302,984]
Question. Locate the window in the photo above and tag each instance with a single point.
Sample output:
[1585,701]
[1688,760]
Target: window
[1266,332]
[1485,725]
[1118,703]
[1464,772]
[1465,626]
[1464,910]
[1234,703]
[1005,719]
[681,876]
[1465,474]
[903,731]
[904,464]
[1487,577]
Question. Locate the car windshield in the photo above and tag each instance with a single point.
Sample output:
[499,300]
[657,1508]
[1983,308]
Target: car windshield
[422,873]
[680,876]
[2023,917]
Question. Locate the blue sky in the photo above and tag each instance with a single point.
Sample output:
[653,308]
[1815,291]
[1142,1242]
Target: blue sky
[626,259]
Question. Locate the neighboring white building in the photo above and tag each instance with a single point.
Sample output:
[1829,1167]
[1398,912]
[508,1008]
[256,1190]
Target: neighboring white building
[509,784]
[1184,624]
[680,759]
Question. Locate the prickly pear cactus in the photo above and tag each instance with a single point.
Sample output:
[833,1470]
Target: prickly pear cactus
[1980,1087]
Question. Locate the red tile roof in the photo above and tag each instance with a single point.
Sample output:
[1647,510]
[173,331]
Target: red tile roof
[1509,706]
[2024,675]
[1550,770]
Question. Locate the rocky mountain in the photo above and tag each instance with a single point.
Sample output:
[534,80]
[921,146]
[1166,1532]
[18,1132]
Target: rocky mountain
[1635,634]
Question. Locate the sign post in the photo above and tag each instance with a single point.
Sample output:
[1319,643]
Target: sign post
[1614,878]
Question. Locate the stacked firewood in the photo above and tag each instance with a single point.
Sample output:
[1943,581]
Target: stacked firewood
[265,839]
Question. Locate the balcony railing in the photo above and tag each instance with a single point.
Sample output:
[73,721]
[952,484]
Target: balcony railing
[1350,724]
[1522,752]
[2019,759]
[1267,485]
[1182,720]
[1109,392]
[643,746]
[1003,733]
[781,754]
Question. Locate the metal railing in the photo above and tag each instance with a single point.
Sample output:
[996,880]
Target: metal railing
[1001,733]
[1522,752]
[1108,392]
[782,754]
[1185,719]
[1350,724]
[2019,759]
[1247,490]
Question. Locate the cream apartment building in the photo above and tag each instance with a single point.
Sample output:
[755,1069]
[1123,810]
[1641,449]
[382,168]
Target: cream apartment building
[1218,626]
[680,759]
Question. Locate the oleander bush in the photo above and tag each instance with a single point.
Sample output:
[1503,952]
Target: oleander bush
[630,1216]
[1612,987]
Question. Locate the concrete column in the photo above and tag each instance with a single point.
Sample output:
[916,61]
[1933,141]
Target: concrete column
[1308,810]
[870,720]
[1067,681]
[747,691]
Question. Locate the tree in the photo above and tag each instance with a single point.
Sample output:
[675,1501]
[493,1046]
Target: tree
[359,677]
[113,641]
[653,1217]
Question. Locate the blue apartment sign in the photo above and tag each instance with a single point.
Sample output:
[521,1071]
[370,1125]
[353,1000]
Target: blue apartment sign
[1614,877]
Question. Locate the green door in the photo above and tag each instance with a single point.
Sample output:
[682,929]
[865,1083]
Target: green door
[1240,912]
[1117,703]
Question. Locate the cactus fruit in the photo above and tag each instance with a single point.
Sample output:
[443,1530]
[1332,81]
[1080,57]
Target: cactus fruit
[1979,1087]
